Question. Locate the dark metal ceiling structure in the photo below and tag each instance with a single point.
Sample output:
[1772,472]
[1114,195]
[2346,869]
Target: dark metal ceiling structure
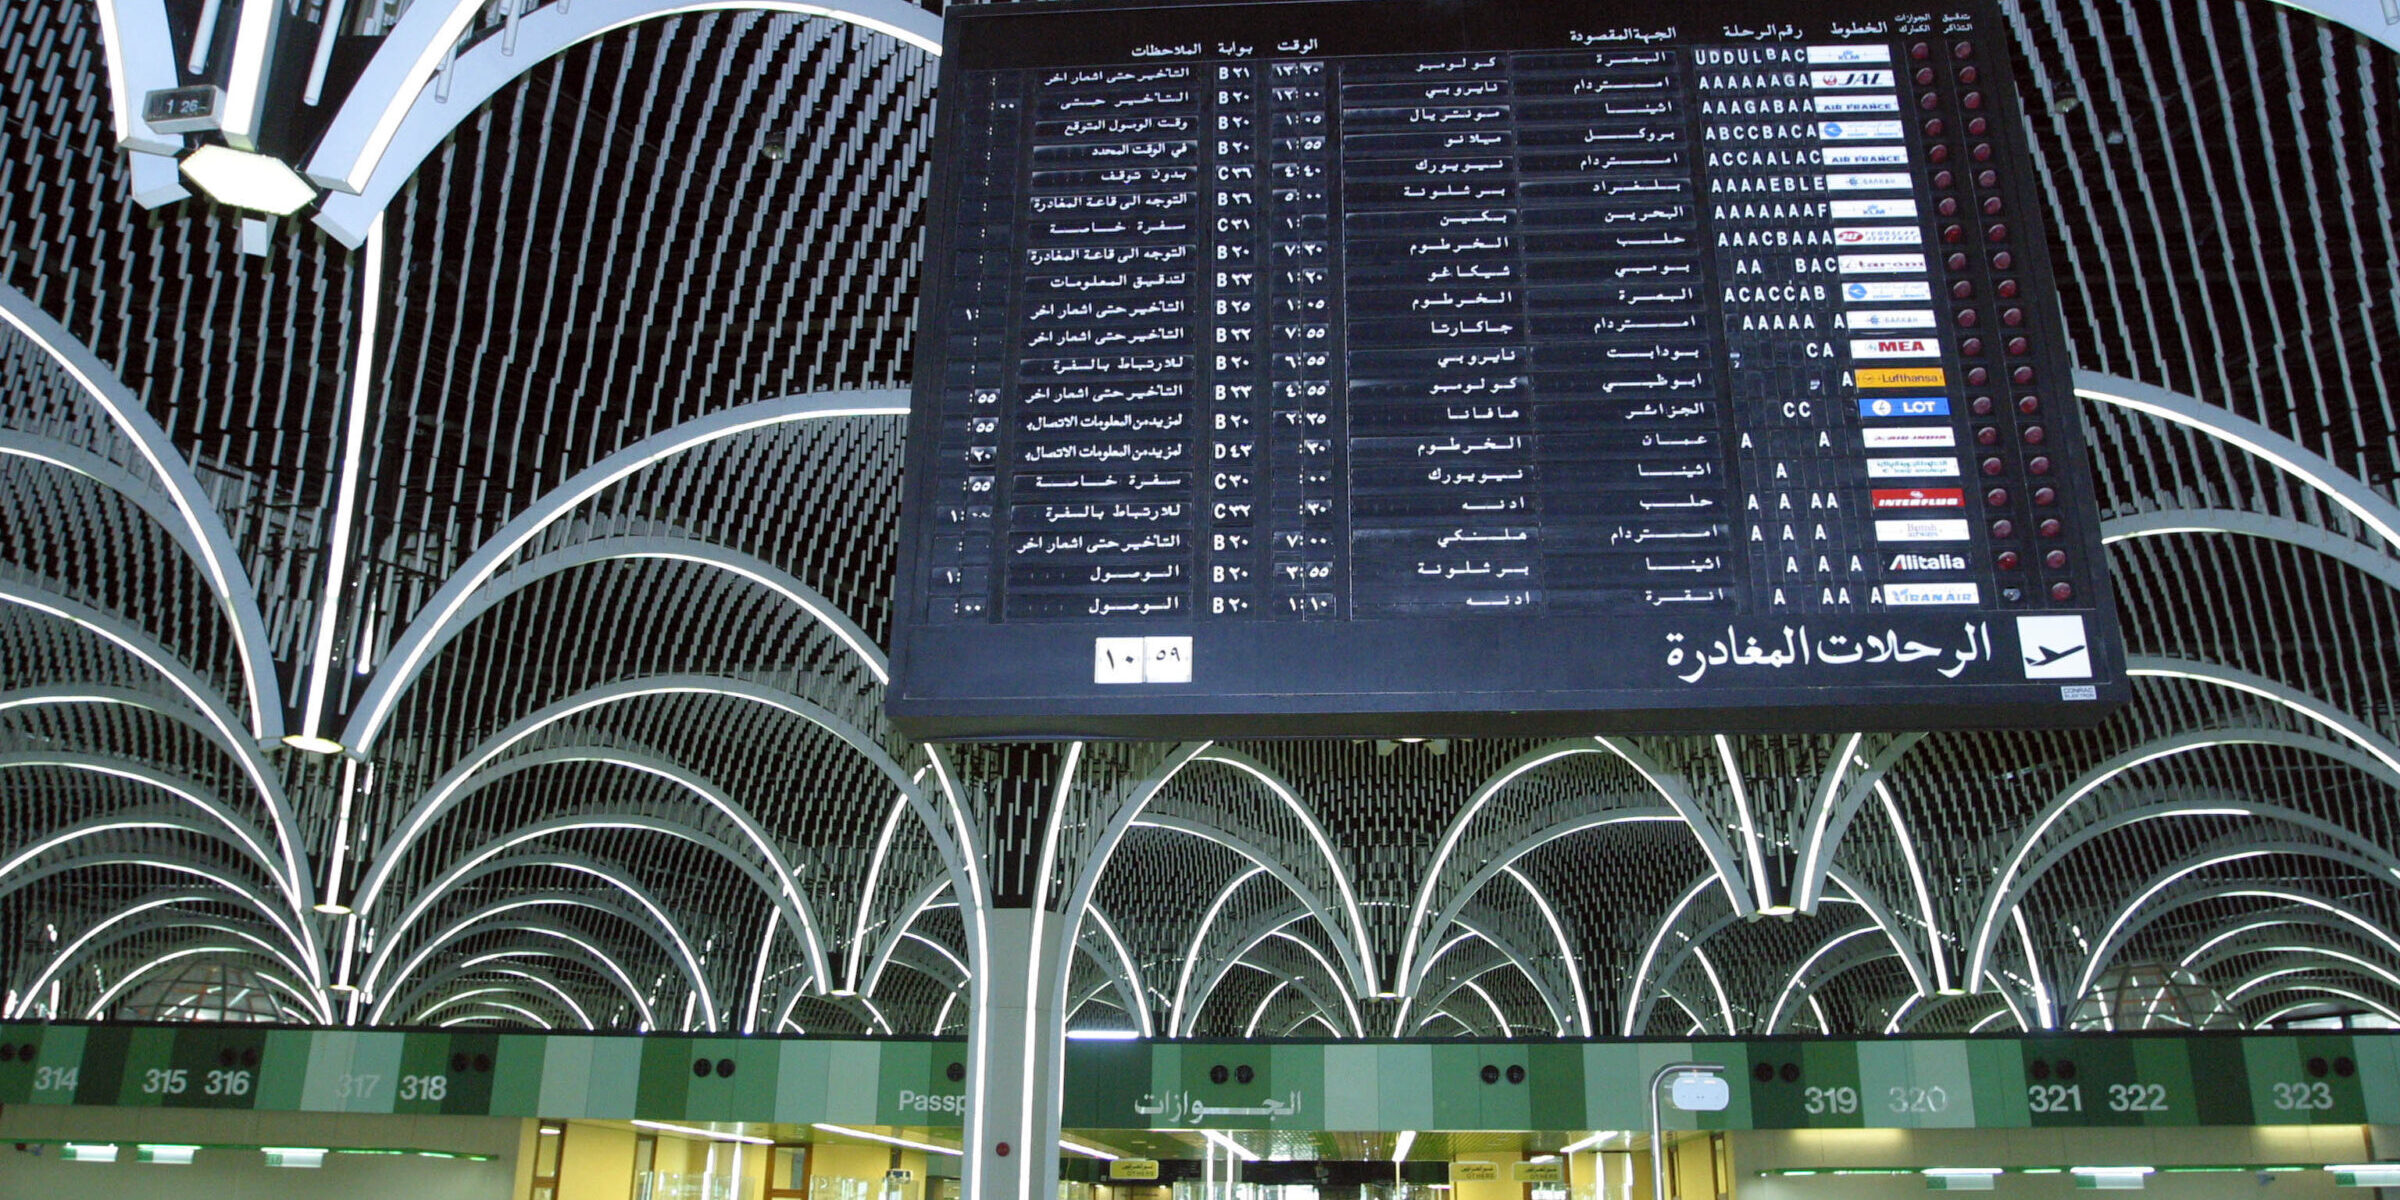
[564,502]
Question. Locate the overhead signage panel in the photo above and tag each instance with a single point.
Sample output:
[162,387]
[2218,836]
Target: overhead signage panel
[1342,367]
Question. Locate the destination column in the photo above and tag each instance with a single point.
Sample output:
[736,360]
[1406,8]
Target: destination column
[1625,379]
[1443,486]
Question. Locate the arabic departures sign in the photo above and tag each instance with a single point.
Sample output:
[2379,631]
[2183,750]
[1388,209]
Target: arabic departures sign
[1327,368]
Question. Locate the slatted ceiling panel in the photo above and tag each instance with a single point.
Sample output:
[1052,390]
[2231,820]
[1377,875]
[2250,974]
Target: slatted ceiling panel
[2251,272]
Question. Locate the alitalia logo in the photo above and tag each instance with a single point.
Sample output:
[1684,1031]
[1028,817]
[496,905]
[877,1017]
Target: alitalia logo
[1926,562]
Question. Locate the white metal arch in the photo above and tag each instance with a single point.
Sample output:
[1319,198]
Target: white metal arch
[245,837]
[90,946]
[623,547]
[1274,866]
[1438,929]
[2005,888]
[1829,818]
[128,979]
[1245,942]
[14,877]
[484,964]
[2149,903]
[925,895]
[74,946]
[1363,953]
[481,920]
[2358,556]
[405,658]
[438,798]
[2278,451]
[196,691]
[489,858]
[658,919]
[392,119]
[76,460]
[237,598]
[783,886]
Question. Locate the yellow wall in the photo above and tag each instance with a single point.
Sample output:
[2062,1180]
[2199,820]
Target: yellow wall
[869,1163]
[597,1163]
[1504,1188]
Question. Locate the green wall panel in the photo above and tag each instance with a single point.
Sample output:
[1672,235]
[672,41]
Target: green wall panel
[2064,1081]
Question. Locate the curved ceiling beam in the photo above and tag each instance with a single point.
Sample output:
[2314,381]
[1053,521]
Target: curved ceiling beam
[1439,928]
[1362,956]
[1679,797]
[2200,957]
[1128,972]
[498,962]
[486,859]
[2349,963]
[405,658]
[1881,913]
[480,865]
[572,936]
[2383,1010]
[2352,729]
[2004,888]
[109,767]
[62,694]
[1829,818]
[1250,939]
[391,119]
[1566,956]
[1507,949]
[1283,874]
[1775,1022]
[2169,809]
[129,978]
[196,691]
[1177,1025]
[2284,454]
[2148,905]
[439,798]
[925,895]
[237,598]
[180,923]
[1635,1004]
[627,548]
[783,886]
[481,920]
[75,945]
[884,837]
[75,460]
[14,876]
[2167,521]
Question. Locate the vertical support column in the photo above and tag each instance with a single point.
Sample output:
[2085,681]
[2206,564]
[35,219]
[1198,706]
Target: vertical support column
[1017,1039]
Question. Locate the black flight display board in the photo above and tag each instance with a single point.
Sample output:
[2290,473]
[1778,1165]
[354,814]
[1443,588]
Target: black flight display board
[1405,368]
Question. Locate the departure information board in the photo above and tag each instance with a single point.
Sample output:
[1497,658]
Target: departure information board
[1407,368]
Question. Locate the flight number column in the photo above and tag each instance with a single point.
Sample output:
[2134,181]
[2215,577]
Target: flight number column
[1238,329]
[1304,456]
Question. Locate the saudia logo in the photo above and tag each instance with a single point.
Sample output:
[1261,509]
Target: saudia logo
[926,1102]
[1927,562]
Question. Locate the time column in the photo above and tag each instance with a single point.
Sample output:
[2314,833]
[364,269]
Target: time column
[1234,583]
[1304,454]
[975,380]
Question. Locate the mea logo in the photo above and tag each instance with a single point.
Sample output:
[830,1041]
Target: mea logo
[2054,647]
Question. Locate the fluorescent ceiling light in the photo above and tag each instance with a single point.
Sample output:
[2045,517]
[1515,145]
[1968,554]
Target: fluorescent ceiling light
[886,1138]
[261,184]
[294,1156]
[1103,1035]
[2374,1175]
[87,1152]
[1588,1143]
[710,1134]
[2115,1179]
[1960,1179]
[1064,1144]
[1229,1144]
[1408,1138]
[176,1156]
